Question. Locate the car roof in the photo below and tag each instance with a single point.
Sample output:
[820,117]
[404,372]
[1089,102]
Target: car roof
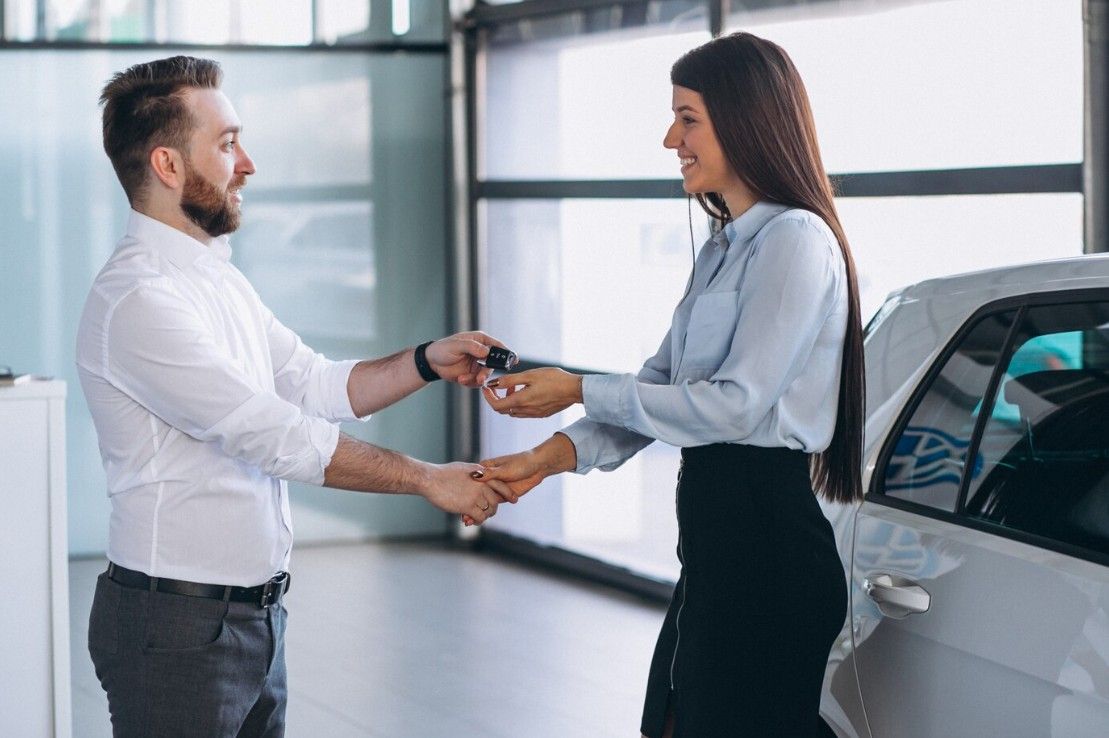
[1074,272]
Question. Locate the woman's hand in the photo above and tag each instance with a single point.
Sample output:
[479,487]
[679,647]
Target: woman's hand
[510,476]
[515,475]
[536,393]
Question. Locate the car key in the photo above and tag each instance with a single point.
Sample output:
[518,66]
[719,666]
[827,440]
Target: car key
[500,358]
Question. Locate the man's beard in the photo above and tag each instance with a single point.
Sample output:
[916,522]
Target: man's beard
[211,208]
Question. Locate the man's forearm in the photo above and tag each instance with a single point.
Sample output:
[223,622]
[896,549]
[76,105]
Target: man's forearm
[379,383]
[363,467]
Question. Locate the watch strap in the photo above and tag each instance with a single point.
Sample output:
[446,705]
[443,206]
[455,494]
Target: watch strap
[422,366]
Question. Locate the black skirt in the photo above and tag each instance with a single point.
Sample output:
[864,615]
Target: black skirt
[761,598]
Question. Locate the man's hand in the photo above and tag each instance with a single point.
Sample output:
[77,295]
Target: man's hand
[455,358]
[452,488]
[543,392]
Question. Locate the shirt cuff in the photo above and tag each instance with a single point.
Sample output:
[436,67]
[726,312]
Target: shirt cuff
[339,406]
[581,434]
[602,395]
[277,438]
[325,439]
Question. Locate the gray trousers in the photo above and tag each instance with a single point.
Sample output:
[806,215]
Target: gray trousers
[188,666]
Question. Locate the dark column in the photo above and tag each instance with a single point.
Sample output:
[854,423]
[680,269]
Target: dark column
[1095,165]
[718,15]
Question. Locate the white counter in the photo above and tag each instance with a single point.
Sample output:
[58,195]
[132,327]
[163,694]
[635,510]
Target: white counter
[34,574]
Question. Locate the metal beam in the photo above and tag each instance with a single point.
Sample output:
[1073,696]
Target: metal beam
[385,47]
[485,14]
[1095,169]
[979,181]
[1035,178]
[492,15]
[558,189]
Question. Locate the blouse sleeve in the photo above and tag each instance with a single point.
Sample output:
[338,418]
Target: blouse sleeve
[790,290]
[605,447]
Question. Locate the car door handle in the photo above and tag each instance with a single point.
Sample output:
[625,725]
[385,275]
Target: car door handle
[897,596]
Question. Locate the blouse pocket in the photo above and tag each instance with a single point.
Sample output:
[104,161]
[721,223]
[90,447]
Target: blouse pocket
[711,328]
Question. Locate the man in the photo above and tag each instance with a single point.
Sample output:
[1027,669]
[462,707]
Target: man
[204,404]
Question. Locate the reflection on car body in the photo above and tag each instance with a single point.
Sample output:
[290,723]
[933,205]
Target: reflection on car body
[923,457]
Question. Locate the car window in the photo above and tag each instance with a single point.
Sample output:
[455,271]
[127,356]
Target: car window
[1044,455]
[928,457]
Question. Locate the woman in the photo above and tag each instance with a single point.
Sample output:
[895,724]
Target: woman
[760,381]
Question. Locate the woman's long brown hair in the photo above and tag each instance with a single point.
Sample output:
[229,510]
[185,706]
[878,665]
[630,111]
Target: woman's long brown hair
[760,110]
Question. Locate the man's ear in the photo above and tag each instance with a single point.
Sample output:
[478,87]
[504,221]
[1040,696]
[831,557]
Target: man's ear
[168,166]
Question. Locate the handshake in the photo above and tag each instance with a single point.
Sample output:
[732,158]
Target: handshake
[474,490]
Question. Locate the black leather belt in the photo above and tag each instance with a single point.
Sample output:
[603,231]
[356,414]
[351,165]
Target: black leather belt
[263,595]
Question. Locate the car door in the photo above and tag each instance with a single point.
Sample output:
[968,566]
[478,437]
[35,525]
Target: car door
[980,566]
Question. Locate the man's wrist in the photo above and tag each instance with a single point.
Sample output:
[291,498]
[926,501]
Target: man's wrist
[421,478]
[423,366]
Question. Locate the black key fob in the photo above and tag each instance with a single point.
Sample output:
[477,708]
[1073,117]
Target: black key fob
[500,358]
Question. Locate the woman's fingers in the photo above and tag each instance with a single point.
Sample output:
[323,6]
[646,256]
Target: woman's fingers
[502,489]
[501,404]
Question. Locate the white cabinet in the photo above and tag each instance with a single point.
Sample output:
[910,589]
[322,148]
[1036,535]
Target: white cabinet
[34,574]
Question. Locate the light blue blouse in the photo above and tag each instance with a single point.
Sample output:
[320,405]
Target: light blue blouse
[752,356]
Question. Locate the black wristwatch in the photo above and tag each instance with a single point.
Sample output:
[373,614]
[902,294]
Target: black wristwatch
[424,368]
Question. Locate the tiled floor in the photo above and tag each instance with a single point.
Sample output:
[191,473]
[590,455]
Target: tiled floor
[415,640]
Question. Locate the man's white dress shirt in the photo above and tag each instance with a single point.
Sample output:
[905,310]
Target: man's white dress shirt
[753,354]
[204,403]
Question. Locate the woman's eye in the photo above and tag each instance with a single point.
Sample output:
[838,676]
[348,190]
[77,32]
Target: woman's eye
[687,121]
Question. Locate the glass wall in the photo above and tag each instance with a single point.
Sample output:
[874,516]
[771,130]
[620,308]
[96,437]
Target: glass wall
[588,281]
[217,22]
[582,271]
[344,236]
[936,85]
[549,114]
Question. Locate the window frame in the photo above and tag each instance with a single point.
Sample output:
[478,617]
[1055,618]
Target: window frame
[875,492]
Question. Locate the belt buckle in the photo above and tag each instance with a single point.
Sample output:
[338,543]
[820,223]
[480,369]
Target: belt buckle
[273,589]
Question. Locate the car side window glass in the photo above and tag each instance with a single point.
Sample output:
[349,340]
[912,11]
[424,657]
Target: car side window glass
[929,456]
[1045,448]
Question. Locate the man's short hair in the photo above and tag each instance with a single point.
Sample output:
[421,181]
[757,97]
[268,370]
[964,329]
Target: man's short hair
[144,108]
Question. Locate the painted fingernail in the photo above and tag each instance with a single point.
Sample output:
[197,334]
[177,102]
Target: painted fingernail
[477,475]
[493,383]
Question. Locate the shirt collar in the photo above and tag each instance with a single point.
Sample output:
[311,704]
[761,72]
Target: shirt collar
[744,228]
[180,248]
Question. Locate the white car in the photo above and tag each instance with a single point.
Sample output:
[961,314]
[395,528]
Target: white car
[978,562]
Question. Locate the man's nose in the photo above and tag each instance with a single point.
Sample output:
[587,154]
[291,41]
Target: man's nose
[245,164]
